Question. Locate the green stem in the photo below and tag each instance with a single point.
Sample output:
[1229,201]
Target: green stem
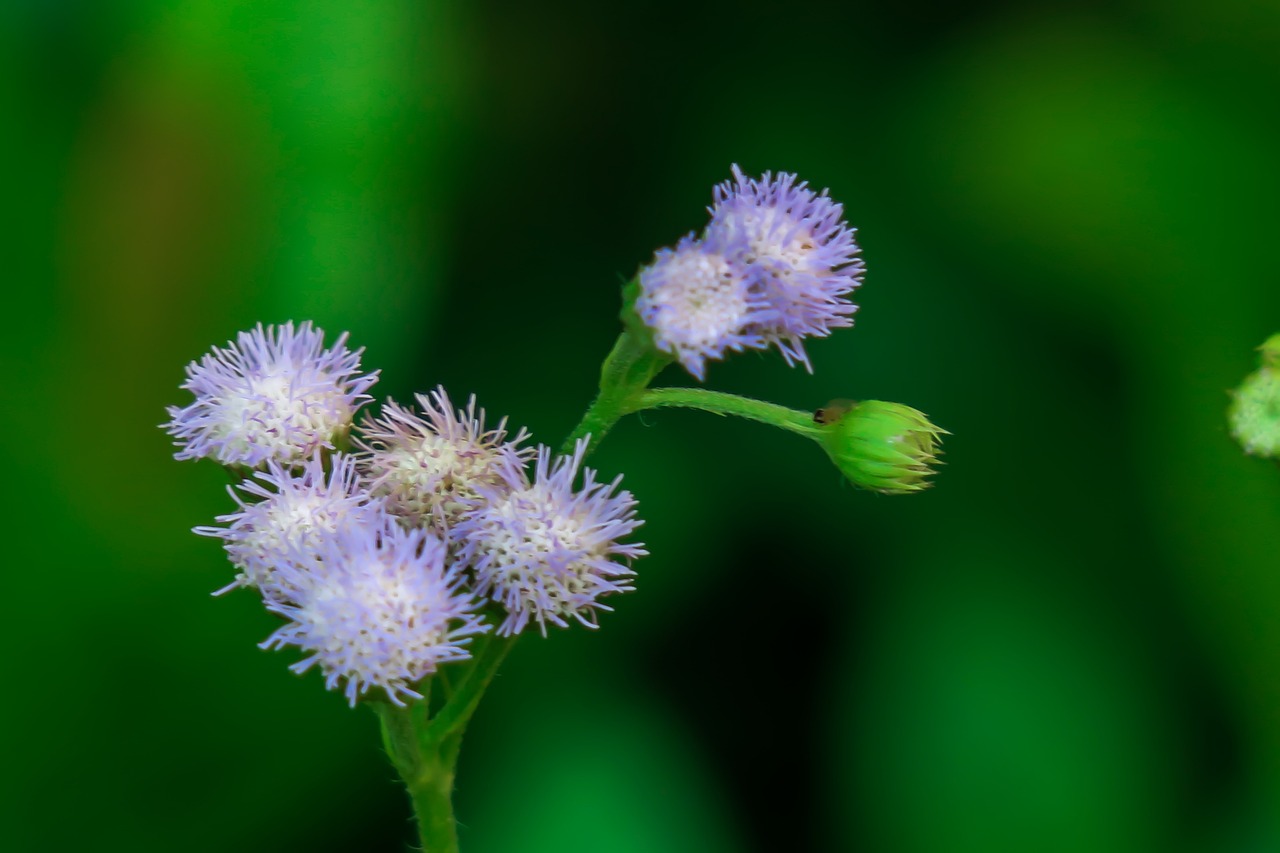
[719,403]
[425,750]
[626,372]
[446,684]
[488,653]
[427,773]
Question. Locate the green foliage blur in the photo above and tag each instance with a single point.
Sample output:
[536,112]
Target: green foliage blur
[1069,218]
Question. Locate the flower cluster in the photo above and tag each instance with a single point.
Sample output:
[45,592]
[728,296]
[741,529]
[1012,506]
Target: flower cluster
[383,561]
[387,547]
[773,267]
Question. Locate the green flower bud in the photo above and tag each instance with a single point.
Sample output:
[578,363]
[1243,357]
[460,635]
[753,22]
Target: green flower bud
[1254,413]
[1270,350]
[885,447]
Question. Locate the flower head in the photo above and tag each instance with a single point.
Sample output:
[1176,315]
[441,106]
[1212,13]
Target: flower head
[275,393]
[379,610]
[885,447]
[289,516]
[1254,414]
[698,304]
[544,550]
[799,255]
[430,467]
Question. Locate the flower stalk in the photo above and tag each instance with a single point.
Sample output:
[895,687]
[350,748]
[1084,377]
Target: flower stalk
[427,771]
[720,403]
[425,749]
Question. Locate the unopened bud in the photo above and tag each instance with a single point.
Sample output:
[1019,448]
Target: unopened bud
[1254,414]
[885,447]
[1270,350]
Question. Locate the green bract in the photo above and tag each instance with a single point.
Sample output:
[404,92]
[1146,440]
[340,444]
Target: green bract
[885,447]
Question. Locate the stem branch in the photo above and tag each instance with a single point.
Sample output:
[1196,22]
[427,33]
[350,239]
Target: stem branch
[626,372]
[454,716]
[720,403]
[425,750]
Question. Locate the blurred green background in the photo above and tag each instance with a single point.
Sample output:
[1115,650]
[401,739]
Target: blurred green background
[1069,217]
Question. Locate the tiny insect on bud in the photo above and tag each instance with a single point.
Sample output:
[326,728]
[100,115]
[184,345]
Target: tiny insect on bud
[833,411]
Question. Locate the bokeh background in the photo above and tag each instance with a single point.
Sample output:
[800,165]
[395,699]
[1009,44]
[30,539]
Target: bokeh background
[1069,218]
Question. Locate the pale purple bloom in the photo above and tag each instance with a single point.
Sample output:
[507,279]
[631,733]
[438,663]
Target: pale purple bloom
[699,304]
[545,550]
[275,393]
[429,467]
[287,517]
[380,610]
[799,255]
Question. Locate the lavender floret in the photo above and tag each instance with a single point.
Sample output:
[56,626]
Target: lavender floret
[800,256]
[429,467]
[546,551]
[275,393]
[286,518]
[699,304]
[381,610]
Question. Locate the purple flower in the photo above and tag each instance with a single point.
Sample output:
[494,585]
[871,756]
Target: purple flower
[544,550]
[275,393]
[380,609]
[699,304]
[287,519]
[799,256]
[430,467]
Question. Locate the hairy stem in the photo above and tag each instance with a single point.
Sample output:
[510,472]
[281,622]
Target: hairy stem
[427,773]
[719,403]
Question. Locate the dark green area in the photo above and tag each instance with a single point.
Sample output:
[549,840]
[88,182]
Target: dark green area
[1068,213]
